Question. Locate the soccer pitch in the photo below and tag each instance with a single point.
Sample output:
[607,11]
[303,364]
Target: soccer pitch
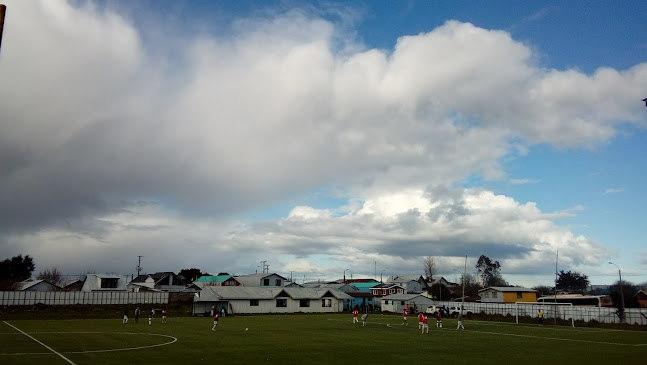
[309,339]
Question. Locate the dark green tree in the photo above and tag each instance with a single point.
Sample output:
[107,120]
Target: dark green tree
[18,268]
[543,290]
[440,292]
[489,271]
[190,274]
[573,282]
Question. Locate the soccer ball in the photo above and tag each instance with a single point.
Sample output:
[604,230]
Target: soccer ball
[246,329]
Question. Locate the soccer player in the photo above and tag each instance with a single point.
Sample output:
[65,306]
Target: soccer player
[137,314]
[150,316]
[420,315]
[163,315]
[404,314]
[213,308]
[425,326]
[215,322]
[355,320]
[125,315]
[364,316]
[540,316]
[460,321]
[439,320]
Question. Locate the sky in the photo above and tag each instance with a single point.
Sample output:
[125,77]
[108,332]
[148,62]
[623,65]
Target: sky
[325,138]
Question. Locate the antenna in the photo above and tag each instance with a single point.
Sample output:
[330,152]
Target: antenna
[266,267]
[139,264]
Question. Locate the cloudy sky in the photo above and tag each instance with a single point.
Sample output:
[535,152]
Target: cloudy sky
[324,137]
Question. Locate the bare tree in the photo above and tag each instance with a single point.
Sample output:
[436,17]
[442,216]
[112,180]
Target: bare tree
[430,267]
[53,276]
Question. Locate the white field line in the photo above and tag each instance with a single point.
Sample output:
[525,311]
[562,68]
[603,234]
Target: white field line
[556,338]
[173,340]
[47,347]
[529,336]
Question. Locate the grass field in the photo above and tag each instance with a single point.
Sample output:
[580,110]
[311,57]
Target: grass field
[310,339]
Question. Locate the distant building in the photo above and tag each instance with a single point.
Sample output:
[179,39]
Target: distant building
[263,280]
[412,284]
[504,294]
[105,282]
[35,285]
[217,280]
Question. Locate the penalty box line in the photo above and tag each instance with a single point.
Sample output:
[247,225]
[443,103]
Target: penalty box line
[42,344]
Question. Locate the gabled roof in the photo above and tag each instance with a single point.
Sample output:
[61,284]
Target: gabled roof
[219,293]
[255,279]
[509,289]
[404,278]
[386,286]
[26,284]
[402,296]
[211,278]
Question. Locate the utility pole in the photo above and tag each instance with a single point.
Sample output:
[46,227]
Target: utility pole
[139,264]
[266,267]
[463,297]
[3,11]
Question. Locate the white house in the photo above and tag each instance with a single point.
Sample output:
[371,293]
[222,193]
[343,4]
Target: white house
[35,285]
[396,303]
[410,283]
[264,279]
[105,282]
[248,300]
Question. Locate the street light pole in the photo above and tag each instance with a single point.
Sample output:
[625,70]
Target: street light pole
[345,275]
[381,282]
[622,296]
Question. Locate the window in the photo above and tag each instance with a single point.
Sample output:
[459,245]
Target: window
[266,282]
[304,303]
[391,291]
[519,294]
[386,302]
[402,302]
[281,303]
[109,283]
[326,302]
[278,282]
[253,302]
[486,295]
[494,294]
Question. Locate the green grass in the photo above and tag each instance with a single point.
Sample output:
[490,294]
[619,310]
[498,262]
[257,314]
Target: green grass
[311,339]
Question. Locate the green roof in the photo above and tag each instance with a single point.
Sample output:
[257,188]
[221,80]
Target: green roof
[210,279]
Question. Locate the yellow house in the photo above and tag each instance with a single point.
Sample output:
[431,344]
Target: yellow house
[504,294]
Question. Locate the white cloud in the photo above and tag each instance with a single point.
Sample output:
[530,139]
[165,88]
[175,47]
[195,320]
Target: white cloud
[613,191]
[92,120]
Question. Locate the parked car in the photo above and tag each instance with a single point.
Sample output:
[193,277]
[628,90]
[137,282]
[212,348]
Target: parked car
[453,311]
[432,309]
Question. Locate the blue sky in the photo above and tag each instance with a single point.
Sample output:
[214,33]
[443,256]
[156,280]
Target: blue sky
[325,136]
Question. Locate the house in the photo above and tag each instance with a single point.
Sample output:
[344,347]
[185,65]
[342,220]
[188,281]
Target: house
[355,298]
[248,300]
[396,303]
[72,285]
[160,281]
[263,280]
[382,290]
[411,283]
[105,282]
[35,285]
[217,280]
[641,298]
[504,294]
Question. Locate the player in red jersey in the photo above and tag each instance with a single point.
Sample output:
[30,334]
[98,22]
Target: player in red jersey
[355,320]
[425,326]
[420,318]
[439,320]
[404,316]
[215,322]
[163,315]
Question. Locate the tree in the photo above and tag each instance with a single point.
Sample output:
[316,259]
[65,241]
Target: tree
[53,276]
[489,271]
[629,290]
[190,274]
[439,292]
[573,282]
[543,290]
[430,268]
[18,268]
[472,285]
